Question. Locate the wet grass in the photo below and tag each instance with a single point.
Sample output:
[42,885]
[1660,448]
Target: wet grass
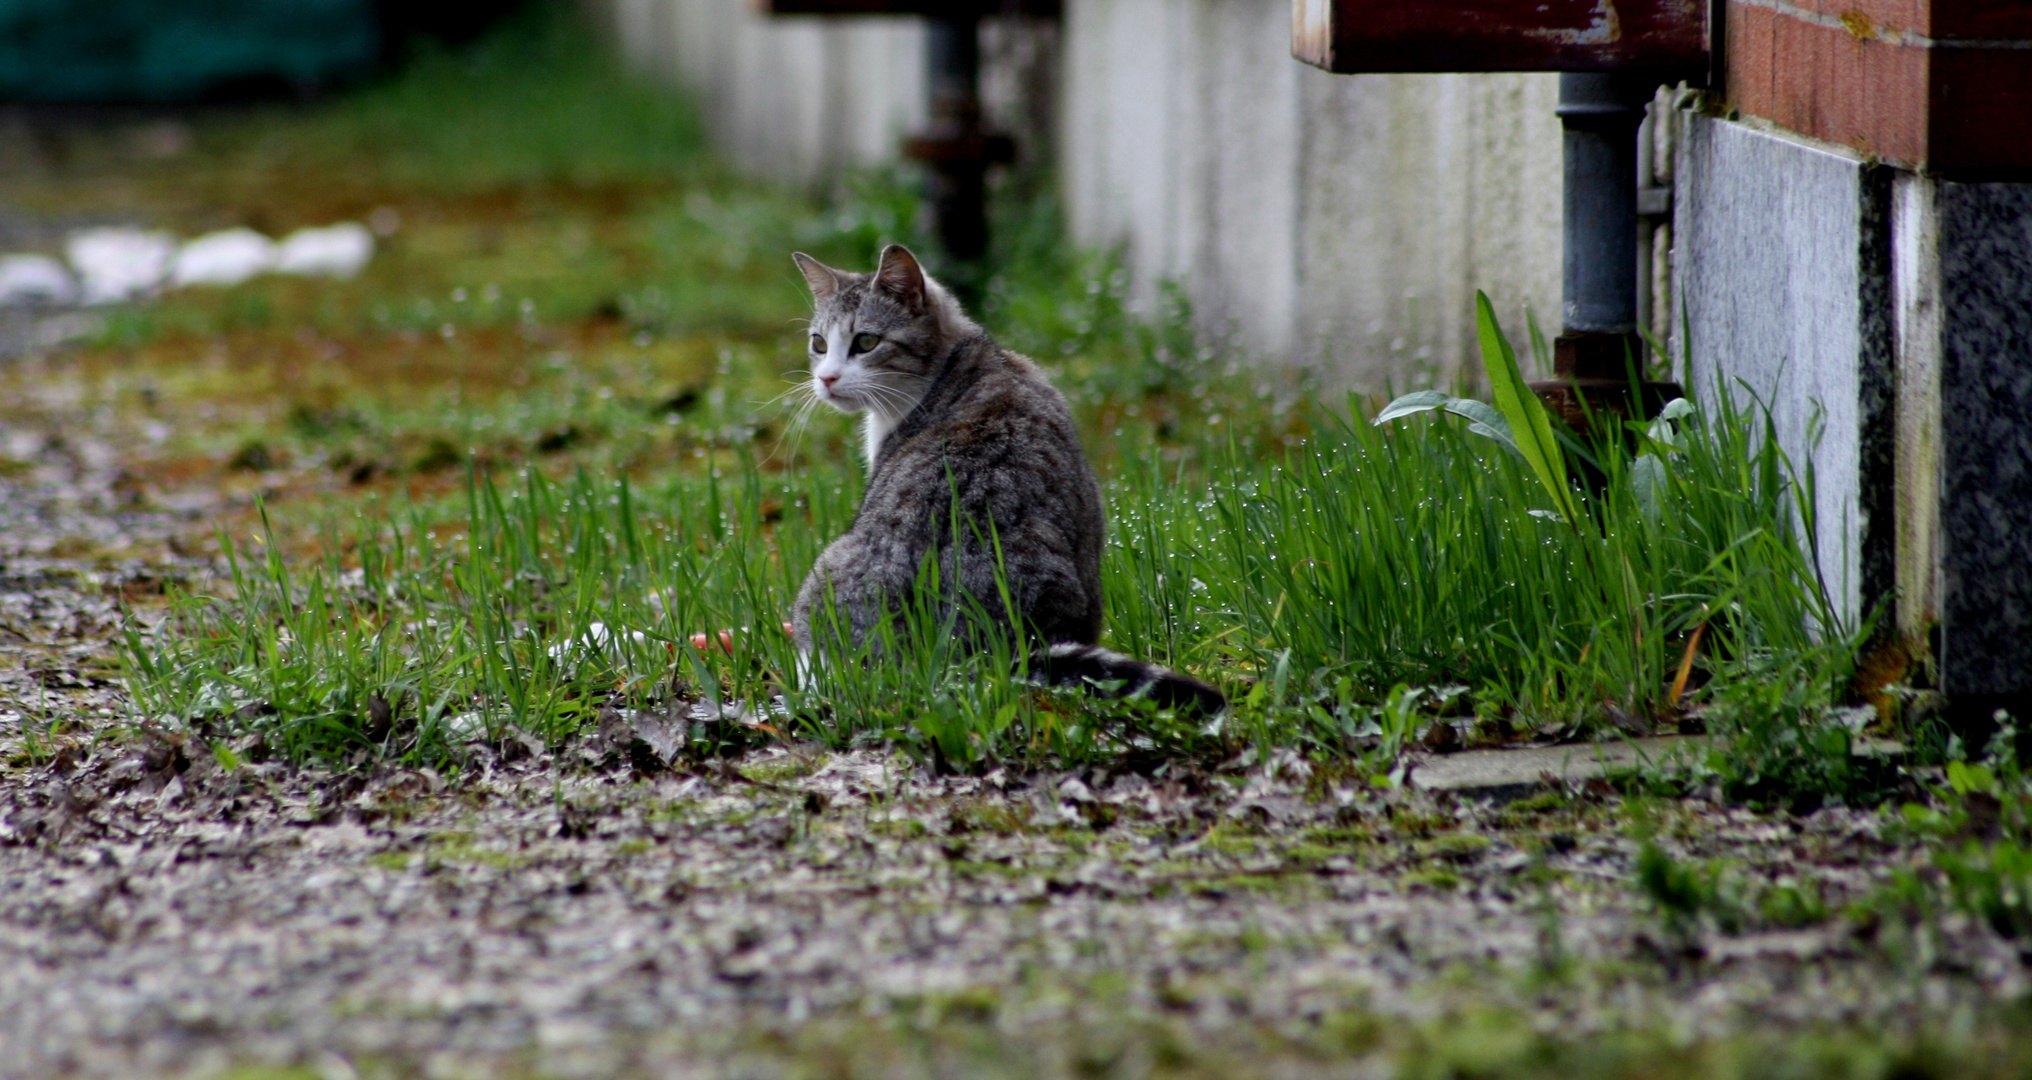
[495,483]
[1316,585]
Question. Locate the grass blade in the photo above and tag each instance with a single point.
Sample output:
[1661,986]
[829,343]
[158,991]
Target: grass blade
[1530,424]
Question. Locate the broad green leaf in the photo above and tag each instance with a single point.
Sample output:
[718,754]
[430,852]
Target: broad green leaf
[1499,434]
[1417,401]
[1530,425]
[1485,421]
[1965,778]
[1647,479]
[1482,419]
[1480,412]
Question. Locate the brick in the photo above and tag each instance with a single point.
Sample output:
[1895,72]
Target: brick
[1962,109]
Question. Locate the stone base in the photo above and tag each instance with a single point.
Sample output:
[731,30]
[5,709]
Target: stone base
[1885,319]
[1964,337]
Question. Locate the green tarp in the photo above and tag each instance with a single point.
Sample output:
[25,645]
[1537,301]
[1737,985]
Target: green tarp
[80,51]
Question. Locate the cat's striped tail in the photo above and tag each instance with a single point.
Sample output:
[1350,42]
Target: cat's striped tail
[1114,675]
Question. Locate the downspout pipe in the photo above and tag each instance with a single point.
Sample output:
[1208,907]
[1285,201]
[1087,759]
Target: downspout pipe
[1600,113]
[1598,349]
[956,182]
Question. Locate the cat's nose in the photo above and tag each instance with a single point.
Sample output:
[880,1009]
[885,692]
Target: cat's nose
[828,380]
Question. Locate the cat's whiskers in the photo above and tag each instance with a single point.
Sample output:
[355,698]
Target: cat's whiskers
[891,377]
[800,416]
[796,386]
[794,431]
[894,403]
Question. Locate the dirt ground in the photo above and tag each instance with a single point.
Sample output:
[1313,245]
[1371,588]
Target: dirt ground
[807,913]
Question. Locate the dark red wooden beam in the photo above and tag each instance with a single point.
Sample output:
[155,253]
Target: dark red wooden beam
[1666,36]
[947,9]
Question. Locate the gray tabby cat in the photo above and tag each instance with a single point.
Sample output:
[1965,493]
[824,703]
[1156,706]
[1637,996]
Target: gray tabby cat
[954,422]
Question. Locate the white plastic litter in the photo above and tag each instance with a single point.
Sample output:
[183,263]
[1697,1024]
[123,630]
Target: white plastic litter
[597,640]
[119,262]
[466,725]
[228,257]
[336,251]
[35,279]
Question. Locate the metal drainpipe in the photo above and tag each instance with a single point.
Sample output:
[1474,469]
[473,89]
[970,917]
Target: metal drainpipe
[1601,114]
[956,182]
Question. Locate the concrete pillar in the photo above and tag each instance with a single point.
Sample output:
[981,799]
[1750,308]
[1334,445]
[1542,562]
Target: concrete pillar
[1885,317]
[1861,249]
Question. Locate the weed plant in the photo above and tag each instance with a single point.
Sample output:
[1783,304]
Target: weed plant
[1975,821]
[1978,820]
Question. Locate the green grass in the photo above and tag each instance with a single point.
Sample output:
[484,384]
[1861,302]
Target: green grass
[1308,583]
[549,411]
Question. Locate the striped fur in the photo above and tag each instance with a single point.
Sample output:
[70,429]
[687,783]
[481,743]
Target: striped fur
[1112,674]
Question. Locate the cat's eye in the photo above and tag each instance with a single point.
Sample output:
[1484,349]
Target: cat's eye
[864,342]
[817,344]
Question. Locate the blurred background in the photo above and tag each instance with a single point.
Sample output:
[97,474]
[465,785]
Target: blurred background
[250,247]
[128,52]
[1334,223]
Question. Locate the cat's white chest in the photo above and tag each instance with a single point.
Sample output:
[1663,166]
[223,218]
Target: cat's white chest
[875,427]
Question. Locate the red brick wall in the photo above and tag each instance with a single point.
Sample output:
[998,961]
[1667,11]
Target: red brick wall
[1944,85]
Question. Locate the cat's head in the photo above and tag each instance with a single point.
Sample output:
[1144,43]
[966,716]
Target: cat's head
[876,337]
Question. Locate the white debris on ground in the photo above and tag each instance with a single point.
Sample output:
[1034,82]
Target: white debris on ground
[596,641]
[339,251]
[35,279]
[223,258]
[114,264]
[118,262]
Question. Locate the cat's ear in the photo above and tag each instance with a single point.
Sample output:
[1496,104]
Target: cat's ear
[899,276]
[823,279]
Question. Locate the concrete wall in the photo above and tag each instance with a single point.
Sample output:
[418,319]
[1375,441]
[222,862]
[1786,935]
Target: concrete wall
[1782,256]
[791,99]
[1336,221]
